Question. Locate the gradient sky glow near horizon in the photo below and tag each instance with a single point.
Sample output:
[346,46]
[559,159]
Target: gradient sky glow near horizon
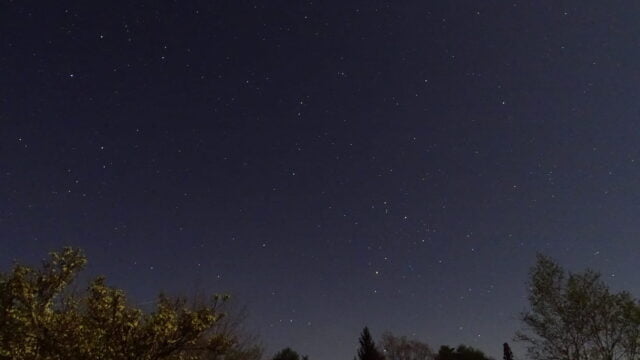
[336,164]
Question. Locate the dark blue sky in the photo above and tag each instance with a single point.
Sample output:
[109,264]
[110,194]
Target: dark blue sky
[331,164]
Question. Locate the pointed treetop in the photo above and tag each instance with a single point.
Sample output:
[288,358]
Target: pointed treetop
[507,353]
[368,349]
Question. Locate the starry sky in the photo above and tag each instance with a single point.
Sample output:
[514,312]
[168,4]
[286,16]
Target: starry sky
[332,164]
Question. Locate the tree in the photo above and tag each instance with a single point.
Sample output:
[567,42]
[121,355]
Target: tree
[288,354]
[577,317]
[462,352]
[446,353]
[507,354]
[368,349]
[41,320]
[241,343]
[401,348]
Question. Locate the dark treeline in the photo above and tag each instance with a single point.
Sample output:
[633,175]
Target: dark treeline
[571,316]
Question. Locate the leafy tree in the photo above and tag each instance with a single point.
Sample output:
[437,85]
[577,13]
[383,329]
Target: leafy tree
[401,348]
[470,353]
[577,317]
[241,343]
[462,352]
[288,354]
[507,354]
[446,353]
[41,320]
[368,349]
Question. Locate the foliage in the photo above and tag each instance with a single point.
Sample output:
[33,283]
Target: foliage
[401,348]
[288,354]
[368,349]
[462,352]
[40,320]
[577,317]
[241,344]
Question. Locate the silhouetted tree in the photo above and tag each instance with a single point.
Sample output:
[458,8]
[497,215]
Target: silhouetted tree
[507,354]
[286,354]
[446,353]
[462,352]
[401,348]
[577,317]
[368,349]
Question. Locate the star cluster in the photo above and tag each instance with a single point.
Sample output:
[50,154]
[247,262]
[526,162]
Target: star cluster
[330,164]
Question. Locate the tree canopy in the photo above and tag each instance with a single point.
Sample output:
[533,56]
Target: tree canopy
[462,352]
[577,317]
[401,348]
[40,319]
[288,354]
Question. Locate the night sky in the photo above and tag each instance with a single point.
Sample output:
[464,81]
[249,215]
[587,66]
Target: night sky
[331,164]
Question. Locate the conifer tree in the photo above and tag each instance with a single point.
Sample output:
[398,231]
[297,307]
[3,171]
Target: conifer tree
[507,354]
[368,349]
